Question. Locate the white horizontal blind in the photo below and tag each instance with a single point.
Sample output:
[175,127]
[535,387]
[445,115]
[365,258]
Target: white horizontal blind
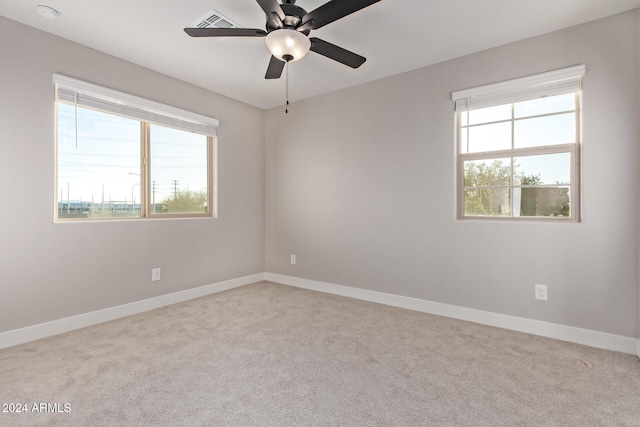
[556,82]
[90,95]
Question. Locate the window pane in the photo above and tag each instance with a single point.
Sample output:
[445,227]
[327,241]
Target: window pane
[464,148]
[546,105]
[490,114]
[489,137]
[543,170]
[542,201]
[178,169]
[487,202]
[486,173]
[550,130]
[517,157]
[99,174]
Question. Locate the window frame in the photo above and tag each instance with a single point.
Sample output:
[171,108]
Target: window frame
[511,92]
[145,179]
[155,110]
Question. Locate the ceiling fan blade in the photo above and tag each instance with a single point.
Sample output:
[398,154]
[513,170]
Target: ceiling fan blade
[336,53]
[274,21]
[225,32]
[334,10]
[270,6]
[309,25]
[274,70]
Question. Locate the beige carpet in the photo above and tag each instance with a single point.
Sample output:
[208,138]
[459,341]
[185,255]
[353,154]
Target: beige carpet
[273,355]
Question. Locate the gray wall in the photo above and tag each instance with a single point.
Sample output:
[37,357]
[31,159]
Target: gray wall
[360,186]
[50,271]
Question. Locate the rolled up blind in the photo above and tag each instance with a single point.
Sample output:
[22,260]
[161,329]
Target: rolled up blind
[557,82]
[93,96]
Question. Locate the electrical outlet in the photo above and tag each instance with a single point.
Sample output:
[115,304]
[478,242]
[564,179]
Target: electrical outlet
[156,274]
[293,259]
[541,292]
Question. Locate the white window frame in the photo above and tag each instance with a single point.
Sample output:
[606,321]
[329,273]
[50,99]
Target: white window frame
[83,94]
[557,82]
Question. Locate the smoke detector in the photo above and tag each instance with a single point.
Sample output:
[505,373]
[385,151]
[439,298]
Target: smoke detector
[47,11]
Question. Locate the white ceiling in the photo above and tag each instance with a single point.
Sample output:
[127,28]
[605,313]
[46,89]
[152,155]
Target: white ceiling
[394,35]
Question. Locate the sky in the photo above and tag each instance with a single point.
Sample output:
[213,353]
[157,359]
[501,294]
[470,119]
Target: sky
[103,162]
[539,122]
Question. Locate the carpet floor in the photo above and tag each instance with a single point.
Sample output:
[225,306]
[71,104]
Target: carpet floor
[273,355]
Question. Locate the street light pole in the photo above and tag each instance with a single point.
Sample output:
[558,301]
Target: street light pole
[133,198]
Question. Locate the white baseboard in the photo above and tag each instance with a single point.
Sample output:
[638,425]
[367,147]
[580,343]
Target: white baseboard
[536,327]
[520,324]
[43,330]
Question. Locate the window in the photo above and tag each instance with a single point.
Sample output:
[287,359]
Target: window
[517,148]
[119,156]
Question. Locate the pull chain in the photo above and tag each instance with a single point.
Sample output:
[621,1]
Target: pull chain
[287,58]
[286,108]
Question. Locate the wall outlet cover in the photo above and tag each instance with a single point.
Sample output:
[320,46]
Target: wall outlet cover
[541,292]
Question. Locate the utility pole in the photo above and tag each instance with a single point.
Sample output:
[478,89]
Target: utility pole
[153,195]
[175,188]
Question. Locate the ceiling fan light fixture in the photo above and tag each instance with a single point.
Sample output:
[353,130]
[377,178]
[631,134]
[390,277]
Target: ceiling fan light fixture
[287,45]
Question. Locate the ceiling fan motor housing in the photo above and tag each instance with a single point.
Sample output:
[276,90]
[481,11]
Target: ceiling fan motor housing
[292,20]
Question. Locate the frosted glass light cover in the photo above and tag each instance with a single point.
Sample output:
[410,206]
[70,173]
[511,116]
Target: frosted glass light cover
[288,42]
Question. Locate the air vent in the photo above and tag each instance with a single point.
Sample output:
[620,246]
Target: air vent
[214,19]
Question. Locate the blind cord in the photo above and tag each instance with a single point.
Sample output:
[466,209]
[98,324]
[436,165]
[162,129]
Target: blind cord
[75,106]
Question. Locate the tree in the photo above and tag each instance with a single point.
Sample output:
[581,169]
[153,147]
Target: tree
[487,201]
[490,194]
[185,202]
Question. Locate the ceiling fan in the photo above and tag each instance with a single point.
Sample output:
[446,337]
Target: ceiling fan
[287,32]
